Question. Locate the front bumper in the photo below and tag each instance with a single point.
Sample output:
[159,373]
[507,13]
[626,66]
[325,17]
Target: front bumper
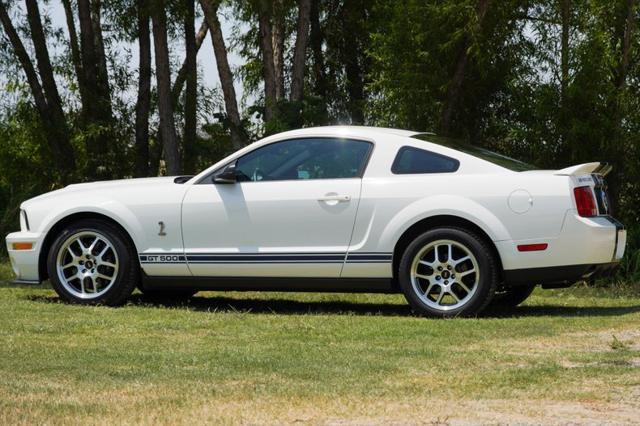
[25,262]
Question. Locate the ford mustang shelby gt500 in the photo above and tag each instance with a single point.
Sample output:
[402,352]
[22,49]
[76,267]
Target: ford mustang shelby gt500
[453,227]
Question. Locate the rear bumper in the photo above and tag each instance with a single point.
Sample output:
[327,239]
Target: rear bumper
[586,248]
[24,262]
[581,241]
[558,276]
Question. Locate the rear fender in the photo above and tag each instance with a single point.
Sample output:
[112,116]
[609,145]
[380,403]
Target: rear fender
[449,205]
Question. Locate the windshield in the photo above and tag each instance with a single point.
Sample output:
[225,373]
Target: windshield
[476,151]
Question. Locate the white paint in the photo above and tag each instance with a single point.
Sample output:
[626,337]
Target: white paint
[266,218]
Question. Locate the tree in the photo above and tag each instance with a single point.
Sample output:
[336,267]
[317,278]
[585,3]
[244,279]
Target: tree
[625,27]
[455,86]
[315,40]
[268,63]
[276,30]
[97,111]
[299,54]
[143,103]
[163,76]
[191,92]
[75,49]
[238,137]
[353,18]
[279,35]
[45,95]
[181,76]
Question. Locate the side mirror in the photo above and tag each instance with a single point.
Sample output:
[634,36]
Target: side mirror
[228,175]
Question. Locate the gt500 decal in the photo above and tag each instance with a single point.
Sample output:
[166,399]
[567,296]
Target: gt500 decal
[162,258]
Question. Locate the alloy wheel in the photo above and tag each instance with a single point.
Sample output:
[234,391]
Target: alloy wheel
[87,264]
[445,275]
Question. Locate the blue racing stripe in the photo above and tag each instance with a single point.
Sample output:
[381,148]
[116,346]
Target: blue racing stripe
[216,258]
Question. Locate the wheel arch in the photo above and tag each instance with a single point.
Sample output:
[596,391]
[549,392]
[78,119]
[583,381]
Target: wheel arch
[432,222]
[53,232]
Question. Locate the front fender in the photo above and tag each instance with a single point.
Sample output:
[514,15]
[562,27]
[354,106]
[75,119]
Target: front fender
[110,208]
[439,205]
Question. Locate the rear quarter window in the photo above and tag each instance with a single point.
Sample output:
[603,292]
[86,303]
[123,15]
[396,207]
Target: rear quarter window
[410,160]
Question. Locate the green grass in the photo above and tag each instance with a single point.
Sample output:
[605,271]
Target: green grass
[284,358]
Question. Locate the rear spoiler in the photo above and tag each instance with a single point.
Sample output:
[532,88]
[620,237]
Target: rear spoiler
[585,169]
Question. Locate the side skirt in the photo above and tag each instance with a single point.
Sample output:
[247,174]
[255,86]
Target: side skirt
[293,284]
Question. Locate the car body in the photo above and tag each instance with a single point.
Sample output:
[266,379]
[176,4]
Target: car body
[331,209]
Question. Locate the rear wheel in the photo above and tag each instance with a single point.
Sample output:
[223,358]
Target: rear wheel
[92,262]
[448,272]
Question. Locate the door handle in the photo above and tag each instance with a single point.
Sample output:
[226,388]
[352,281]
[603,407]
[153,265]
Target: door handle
[338,198]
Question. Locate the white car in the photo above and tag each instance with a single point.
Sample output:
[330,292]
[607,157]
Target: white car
[343,209]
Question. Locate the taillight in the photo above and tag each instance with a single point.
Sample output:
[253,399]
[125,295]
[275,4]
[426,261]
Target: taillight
[585,201]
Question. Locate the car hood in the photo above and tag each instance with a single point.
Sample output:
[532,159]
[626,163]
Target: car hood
[102,186]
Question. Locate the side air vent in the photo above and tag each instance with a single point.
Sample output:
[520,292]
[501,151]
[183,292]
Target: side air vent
[181,179]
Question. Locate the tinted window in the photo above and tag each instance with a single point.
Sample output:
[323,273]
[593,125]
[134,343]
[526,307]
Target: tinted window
[477,151]
[314,158]
[413,160]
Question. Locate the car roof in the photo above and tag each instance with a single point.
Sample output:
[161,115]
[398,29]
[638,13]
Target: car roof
[344,131]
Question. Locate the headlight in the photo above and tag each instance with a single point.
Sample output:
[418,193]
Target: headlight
[24,221]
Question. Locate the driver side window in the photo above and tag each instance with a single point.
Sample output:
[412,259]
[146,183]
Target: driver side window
[301,159]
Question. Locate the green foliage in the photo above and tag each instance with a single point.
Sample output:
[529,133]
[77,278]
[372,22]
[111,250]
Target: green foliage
[23,162]
[382,62]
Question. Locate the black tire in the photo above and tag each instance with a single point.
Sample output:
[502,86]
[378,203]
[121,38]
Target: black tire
[126,277]
[487,278]
[167,294]
[512,297]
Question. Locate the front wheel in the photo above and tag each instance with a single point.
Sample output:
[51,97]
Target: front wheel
[448,272]
[93,262]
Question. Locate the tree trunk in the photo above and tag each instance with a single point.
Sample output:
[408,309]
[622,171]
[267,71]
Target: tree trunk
[278,47]
[299,53]
[101,59]
[191,93]
[44,64]
[163,76]
[315,41]
[455,87]
[564,51]
[23,57]
[115,164]
[86,45]
[238,138]
[565,19]
[155,153]
[615,147]
[181,77]
[75,49]
[626,42]
[268,65]
[352,16]
[53,122]
[96,111]
[44,67]
[143,104]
